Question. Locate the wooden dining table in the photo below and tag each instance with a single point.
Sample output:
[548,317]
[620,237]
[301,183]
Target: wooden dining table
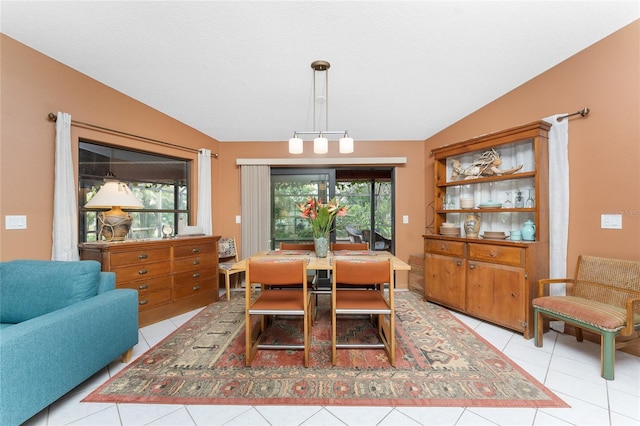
[325,263]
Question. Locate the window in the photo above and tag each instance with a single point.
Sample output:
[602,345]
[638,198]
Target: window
[160,182]
[367,192]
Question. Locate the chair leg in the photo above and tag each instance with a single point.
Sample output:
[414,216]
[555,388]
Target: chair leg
[126,357]
[227,285]
[537,326]
[607,354]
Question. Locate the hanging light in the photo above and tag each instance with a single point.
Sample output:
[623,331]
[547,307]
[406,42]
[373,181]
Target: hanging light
[320,143]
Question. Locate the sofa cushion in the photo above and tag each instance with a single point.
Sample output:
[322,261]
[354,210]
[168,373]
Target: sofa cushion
[30,288]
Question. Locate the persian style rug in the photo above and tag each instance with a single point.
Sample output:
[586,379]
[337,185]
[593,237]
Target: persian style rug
[439,362]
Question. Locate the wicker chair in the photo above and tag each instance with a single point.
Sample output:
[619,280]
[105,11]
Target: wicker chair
[604,298]
[227,257]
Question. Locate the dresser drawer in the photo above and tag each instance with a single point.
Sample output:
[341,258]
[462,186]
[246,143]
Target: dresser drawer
[138,272]
[504,255]
[444,247]
[186,278]
[195,262]
[191,289]
[139,257]
[149,285]
[150,300]
[194,249]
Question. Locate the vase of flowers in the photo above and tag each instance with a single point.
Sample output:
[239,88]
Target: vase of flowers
[321,217]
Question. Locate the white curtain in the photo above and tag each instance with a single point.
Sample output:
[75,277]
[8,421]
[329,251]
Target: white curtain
[203,219]
[65,207]
[558,203]
[256,208]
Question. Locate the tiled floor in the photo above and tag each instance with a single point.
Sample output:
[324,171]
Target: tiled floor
[570,369]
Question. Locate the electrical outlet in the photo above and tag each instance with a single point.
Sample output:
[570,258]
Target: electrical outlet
[238,219]
[405,219]
[611,221]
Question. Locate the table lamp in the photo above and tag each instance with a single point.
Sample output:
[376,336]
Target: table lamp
[114,224]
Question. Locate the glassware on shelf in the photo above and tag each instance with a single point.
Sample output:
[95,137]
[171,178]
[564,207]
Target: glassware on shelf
[507,203]
[519,200]
[529,204]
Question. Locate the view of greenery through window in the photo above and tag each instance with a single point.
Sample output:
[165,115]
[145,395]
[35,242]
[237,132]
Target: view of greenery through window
[370,201]
[160,183]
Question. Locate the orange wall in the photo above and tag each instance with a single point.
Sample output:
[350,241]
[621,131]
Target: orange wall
[34,85]
[409,180]
[604,147]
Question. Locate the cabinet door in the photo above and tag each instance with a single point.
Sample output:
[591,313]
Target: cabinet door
[496,293]
[444,280]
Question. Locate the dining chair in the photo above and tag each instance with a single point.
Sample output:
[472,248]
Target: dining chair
[297,246]
[350,298]
[227,257]
[291,299]
[349,246]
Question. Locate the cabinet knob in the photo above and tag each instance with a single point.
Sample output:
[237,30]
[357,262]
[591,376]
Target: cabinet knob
[196,262]
[196,250]
[143,256]
[196,288]
[458,263]
[493,254]
[142,271]
[472,266]
[443,246]
[196,275]
[143,286]
[143,302]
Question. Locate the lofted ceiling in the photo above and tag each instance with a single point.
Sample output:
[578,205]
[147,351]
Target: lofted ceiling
[240,70]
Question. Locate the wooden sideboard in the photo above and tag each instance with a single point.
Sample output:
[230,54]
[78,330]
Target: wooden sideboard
[172,276]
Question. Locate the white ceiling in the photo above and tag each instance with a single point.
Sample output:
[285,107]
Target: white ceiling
[240,70]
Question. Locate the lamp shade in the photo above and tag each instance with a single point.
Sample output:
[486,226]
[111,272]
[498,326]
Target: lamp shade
[346,145]
[321,145]
[295,145]
[114,193]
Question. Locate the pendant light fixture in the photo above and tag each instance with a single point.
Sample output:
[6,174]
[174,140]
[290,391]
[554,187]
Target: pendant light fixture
[320,142]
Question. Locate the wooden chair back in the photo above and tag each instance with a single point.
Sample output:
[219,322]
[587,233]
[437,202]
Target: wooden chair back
[297,246]
[349,246]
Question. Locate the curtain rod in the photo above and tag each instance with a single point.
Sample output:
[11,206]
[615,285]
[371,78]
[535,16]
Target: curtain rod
[53,118]
[584,111]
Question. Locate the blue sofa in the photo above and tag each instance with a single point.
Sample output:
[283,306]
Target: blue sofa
[60,323]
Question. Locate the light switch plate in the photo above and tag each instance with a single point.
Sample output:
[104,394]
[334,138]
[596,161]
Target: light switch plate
[238,219]
[405,219]
[611,221]
[15,222]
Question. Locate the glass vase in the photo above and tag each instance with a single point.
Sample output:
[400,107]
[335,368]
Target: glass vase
[321,245]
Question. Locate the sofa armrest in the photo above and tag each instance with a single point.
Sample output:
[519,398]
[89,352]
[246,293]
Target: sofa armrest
[107,282]
[47,356]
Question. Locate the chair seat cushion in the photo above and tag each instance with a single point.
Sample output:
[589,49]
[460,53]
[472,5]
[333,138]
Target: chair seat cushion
[279,300]
[360,300]
[597,314]
[227,266]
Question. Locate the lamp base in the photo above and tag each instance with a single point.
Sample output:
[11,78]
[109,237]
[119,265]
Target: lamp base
[114,225]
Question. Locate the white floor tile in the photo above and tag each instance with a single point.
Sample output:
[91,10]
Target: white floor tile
[142,414]
[626,404]
[107,417]
[285,415]
[359,415]
[249,418]
[397,418]
[581,412]
[506,416]
[212,415]
[433,415]
[323,418]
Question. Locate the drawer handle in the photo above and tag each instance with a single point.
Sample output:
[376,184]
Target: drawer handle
[143,302]
[142,271]
[443,246]
[196,288]
[196,250]
[196,262]
[472,266]
[143,256]
[493,254]
[143,286]
[196,275]
[458,263]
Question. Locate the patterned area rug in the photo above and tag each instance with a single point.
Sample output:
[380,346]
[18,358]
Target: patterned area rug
[439,362]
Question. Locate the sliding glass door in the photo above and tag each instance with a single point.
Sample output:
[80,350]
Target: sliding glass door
[367,192]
